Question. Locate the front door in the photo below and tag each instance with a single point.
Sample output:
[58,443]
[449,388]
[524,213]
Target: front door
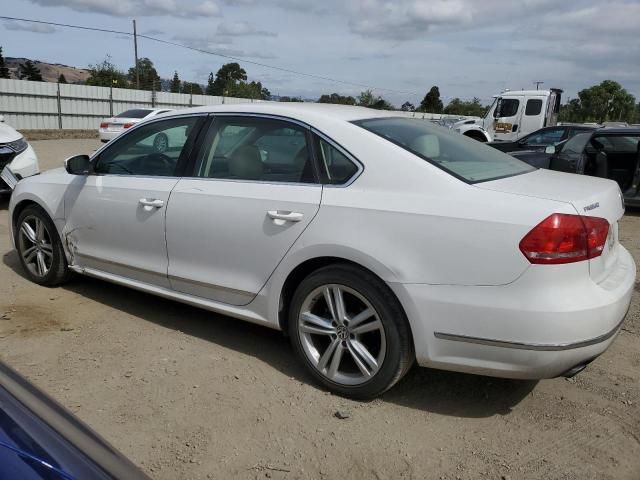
[506,125]
[115,217]
[252,193]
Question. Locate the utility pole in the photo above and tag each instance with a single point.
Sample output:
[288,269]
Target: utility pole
[135,48]
[538,84]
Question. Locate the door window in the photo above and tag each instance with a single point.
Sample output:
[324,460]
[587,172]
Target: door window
[545,137]
[534,107]
[256,149]
[150,150]
[509,107]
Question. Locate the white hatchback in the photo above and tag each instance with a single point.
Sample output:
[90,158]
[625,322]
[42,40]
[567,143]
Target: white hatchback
[372,240]
[110,128]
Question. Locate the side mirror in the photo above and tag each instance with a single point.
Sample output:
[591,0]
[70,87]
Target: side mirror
[550,149]
[78,165]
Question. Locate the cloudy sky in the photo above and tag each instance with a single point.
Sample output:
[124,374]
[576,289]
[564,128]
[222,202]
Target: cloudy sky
[466,47]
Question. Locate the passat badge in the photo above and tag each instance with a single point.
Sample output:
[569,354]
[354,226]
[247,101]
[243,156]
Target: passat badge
[593,206]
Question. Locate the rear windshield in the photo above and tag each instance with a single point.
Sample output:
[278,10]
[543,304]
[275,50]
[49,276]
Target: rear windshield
[135,113]
[461,156]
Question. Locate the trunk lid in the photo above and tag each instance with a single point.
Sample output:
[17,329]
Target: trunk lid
[590,196]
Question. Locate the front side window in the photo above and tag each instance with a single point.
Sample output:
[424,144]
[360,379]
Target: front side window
[460,156]
[576,143]
[153,149]
[509,107]
[534,107]
[256,149]
[545,137]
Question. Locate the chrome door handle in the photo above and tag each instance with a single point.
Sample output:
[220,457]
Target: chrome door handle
[151,202]
[285,216]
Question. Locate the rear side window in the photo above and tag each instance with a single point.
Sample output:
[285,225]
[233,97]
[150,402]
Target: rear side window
[534,107]
[460,156]
[135,113]
[256,149]
[335,167]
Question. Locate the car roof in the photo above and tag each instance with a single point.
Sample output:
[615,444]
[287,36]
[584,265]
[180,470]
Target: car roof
[618,130]
[306,112]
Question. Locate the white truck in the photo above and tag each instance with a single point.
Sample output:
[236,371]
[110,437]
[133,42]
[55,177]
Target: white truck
[514,114]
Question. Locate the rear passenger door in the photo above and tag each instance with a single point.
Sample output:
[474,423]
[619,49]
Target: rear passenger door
[252,190]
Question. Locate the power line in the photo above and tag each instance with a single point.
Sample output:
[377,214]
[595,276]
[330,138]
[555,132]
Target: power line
[209,52]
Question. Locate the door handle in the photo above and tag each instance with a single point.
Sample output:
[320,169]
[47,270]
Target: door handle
[285,216]
[151,203]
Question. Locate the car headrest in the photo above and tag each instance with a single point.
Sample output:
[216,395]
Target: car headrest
[427,145]
[246,163]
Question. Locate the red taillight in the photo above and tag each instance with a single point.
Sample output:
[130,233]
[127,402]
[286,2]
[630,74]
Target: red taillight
[563,238]
[104,125]
[128,125]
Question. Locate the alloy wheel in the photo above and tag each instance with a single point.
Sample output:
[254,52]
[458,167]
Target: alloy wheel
[36,249]
[342,334]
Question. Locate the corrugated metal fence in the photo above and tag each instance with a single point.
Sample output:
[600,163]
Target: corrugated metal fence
[41,105]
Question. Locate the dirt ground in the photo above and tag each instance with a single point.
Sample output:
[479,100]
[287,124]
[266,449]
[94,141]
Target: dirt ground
[189,394]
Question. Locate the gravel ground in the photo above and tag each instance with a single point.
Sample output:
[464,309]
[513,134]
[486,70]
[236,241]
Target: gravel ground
[189,394]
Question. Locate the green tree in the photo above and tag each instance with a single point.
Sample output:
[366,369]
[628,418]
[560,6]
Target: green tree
[149,78]
[368,99]
[337,98]
[253,90]
[290,99]
[465,107]
[106,74]
[4,70]
[193,88]
[210,85]
[228,75]
[607,101]
[62,79]
[571,111]
[431,102]
[408,107]
[28,71]
[174,87]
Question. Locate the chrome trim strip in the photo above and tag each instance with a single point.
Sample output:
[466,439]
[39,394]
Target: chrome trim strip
[540,347]
[213,286]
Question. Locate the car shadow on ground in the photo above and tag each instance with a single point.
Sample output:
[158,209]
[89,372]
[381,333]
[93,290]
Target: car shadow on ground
[446,393]
[4,202]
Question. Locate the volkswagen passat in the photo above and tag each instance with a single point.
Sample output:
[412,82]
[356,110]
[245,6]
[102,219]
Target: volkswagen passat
[372,240]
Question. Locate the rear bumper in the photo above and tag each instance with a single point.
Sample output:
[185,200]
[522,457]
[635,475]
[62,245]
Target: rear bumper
[108,135]
[535,327]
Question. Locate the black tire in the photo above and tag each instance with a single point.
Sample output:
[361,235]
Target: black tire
[399,355]
[58,272]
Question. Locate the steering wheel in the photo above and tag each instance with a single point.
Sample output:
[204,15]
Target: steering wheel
[158,161]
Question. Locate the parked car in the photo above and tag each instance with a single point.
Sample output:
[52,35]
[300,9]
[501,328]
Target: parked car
[612,153]
[110,128]
[40,440]
[373,240]
[17,158]
[531,148]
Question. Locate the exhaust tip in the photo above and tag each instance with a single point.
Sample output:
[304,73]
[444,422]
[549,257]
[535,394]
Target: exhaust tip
[572,372]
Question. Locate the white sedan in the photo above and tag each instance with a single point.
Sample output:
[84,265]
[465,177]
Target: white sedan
[17,159]
[372,240]
[110,128]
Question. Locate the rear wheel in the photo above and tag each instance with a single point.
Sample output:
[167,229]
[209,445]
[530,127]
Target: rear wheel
[350,331]
[39,248]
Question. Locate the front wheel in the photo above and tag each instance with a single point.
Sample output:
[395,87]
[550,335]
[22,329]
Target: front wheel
[161,143]
[350,331]
[40,249]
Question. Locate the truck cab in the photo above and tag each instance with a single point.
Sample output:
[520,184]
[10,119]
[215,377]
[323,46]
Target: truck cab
[514,114]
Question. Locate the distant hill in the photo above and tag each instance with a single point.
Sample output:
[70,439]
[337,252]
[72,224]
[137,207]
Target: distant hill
[50,71]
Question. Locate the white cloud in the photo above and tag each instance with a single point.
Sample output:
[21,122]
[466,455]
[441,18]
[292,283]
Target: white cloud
[124,8]
[242,29]
[29,27]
